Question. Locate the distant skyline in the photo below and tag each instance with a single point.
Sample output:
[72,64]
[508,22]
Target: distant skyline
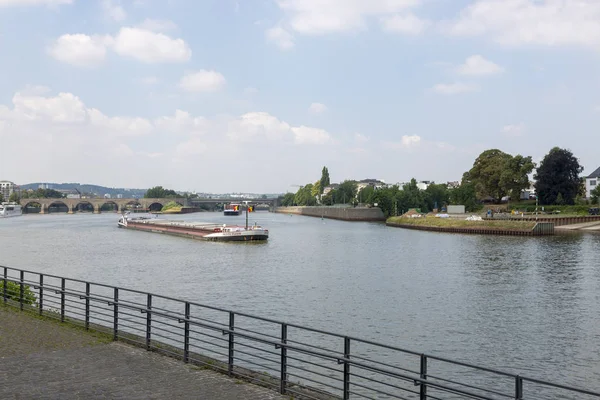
[257,96]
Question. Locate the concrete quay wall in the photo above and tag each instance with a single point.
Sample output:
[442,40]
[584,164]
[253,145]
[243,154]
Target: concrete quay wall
[341,213]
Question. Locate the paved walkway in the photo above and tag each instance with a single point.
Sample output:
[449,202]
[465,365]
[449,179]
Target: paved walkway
[41,359]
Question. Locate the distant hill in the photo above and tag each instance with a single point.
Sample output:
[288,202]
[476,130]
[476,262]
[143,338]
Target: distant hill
[88,188]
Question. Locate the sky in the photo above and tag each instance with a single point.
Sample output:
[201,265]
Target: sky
[258,95]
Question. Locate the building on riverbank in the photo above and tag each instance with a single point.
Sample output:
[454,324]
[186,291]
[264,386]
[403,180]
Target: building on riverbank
[592,182]
[7,188]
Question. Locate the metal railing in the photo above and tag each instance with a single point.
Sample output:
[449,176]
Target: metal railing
[292,359]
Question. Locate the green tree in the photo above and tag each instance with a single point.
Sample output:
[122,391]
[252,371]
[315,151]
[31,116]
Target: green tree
[14,197]
[595,195]
[304,196]
[158,192]
[558,173]
[465,195]
[1,198]
[515,175]
[366,194]
[345,192]
[316,189]
[437,196]
[287,200]
[324,182]
[497,174]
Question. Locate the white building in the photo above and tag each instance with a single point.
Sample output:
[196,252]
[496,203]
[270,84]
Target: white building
[6,189]
[375,183]
[592,182]
[107,196]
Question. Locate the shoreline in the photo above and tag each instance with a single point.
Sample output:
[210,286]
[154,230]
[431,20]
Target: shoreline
[452,225]
[353,214]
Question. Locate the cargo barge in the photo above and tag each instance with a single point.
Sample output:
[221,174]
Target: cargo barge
[196,230]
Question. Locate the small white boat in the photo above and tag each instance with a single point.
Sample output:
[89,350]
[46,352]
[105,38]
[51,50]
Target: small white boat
[10,210]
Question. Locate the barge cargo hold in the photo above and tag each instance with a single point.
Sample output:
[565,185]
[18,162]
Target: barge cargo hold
[196,230]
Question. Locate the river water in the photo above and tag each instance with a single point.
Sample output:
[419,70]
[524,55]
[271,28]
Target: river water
[525,305]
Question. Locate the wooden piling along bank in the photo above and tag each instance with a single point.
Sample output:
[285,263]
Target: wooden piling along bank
[540,229]
[556,221]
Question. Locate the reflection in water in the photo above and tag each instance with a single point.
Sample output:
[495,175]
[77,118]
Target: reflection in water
[528,305]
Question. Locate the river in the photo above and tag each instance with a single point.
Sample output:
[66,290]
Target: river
[528,305]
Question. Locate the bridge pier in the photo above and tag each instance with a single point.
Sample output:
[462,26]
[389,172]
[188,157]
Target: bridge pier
[43,209]
[96,209]
[70,206]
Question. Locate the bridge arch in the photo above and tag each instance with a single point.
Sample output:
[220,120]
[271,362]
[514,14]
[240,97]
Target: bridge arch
[155,206]
[32,207]
[132,205]
[57,206]
[83,206]
[109,206]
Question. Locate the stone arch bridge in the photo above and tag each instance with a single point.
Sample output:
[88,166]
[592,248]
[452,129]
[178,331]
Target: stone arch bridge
[119,205]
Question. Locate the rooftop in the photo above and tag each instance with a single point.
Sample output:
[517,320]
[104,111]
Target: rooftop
[595,174]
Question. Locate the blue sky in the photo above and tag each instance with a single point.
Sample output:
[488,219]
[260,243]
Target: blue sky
[258,95]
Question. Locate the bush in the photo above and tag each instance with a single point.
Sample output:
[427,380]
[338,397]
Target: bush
[13,292]
[529,208]
[170,206]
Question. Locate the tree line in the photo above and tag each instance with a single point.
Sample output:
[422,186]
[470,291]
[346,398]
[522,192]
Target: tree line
[494,177]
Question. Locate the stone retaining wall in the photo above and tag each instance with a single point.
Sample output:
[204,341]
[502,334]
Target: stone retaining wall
[541,229]
[341,213]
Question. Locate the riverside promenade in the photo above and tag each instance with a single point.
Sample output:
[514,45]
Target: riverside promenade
[44,359]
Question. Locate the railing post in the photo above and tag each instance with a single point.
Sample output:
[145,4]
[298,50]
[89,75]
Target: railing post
[283,378]
[5,284]
[518,388]
[21,288]
[116,315]
[231,337]
[186,334]
[346,368]
[423,375]
[41,292]
[87,305]
[63,285]
[148,320]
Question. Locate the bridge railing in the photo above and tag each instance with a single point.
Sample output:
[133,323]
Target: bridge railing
[293,359]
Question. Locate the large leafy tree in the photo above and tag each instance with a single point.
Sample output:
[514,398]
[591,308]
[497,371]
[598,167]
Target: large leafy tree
[497,174]
[595,195]
[158,192]
[304,196]
[557,177]
[465,195]
[436,196]
[324,182]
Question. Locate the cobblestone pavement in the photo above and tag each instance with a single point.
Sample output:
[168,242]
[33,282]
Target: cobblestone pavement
[41,359]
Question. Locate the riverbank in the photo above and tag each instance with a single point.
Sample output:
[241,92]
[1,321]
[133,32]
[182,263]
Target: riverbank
[340,213]
[486,227]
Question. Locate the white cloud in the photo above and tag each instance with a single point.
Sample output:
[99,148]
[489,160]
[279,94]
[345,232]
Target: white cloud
[80,50]
[151,47]
[404,23]
[478,66]
[532,22]
[514,130]
[306,135]
[182,122]
[163,149]
[202,81]
[144,45]
[282,38]
[409,141]
[113,10]
[318,17]
[13,3]
[317,108]
[157,25]
[454,88]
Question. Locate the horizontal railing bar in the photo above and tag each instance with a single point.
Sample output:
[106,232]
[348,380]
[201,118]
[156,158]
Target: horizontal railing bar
[210,336]
[339,371]
[211,351]
[257,356]
[257,364]
[363,395]
[470,386]
[163,350]
[207,342]
[355,357]
[259,349]
[315,373]
[380,382]
[311,388]
[559,386]
[314,381]
[381,391]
